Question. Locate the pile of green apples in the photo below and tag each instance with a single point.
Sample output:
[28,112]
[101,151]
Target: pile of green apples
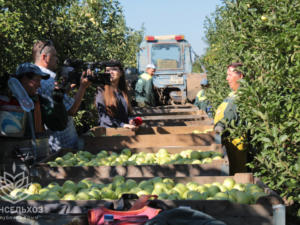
[165,188]
[103,158]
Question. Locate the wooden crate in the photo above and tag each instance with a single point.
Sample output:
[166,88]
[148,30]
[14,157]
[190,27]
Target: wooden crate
[144,141]
[103,131]
[231,213]
[215,168]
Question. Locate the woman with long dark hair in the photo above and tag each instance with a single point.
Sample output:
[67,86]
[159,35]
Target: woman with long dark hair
[112,100]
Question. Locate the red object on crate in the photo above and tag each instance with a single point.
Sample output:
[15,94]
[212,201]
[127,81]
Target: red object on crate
[138,214]
[138,121]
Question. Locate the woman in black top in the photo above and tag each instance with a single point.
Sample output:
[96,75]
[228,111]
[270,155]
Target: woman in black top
[112,100]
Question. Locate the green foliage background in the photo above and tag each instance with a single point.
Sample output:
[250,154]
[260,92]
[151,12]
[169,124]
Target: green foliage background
[265,36]
[91,30]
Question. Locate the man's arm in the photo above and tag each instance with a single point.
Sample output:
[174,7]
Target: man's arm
[84,84]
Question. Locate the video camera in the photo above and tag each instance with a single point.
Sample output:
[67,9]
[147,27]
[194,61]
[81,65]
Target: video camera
[72,71]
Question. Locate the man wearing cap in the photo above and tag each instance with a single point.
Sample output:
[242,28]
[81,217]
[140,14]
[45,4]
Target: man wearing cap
[45,57]
[201,100]
[48,111]
[144,93]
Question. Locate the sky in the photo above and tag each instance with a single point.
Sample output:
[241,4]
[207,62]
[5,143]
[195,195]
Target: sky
[165,17]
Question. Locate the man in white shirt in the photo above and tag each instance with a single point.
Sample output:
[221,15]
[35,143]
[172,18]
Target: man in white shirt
[45,56]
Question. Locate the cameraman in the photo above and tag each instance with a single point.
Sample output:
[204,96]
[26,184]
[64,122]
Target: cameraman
[112,99]
[45,57]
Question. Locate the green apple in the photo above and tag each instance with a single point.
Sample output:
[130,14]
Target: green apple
[34,188]
[53,164]
[207,185]
[205,154]
[156,179]
[52,184]
[207,160]
[240,187]
[56,189]
[229,183]
[253,188]
[88,155]
[69,186]
[160,187]
[162,152]
[174,196]
[59,160]
[143,192]
[243,197]
[94,194]
[186,153]
[264,18]
[82,195]
[194,195]
[181,161]
[180,188]
[212,190]
[217,158]
[69,196]
[135,190]
[221,196]
[150,158]
[257,195]
[202,188]
[149,188]
[195,155]
[218,184]
[44,191]
[223,188]
[120,189]
[70,162]
[175,156]
[67,156]
[130,183]
[126,151]
[108,194]
[169,183]
[117,180]
[81,185]
[197,161]
[231,194]
[52,196]
[163,196]
[104,152]
[36,197]
[16,192]
[192,186]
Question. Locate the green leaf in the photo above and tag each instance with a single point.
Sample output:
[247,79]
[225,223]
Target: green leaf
[283,138]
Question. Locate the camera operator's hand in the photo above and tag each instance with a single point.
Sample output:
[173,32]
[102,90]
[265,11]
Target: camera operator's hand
[84,81]
[129,126]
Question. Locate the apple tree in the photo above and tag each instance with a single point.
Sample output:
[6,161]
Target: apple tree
[264,36]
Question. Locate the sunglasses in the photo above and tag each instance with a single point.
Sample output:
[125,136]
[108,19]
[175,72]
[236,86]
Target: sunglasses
[47,43]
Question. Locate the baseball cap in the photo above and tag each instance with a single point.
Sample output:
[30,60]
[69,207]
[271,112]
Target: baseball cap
[152,66]
[31,68]
[204,82]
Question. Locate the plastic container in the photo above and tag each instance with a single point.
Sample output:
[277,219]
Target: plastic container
[12,121]
[108,219]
